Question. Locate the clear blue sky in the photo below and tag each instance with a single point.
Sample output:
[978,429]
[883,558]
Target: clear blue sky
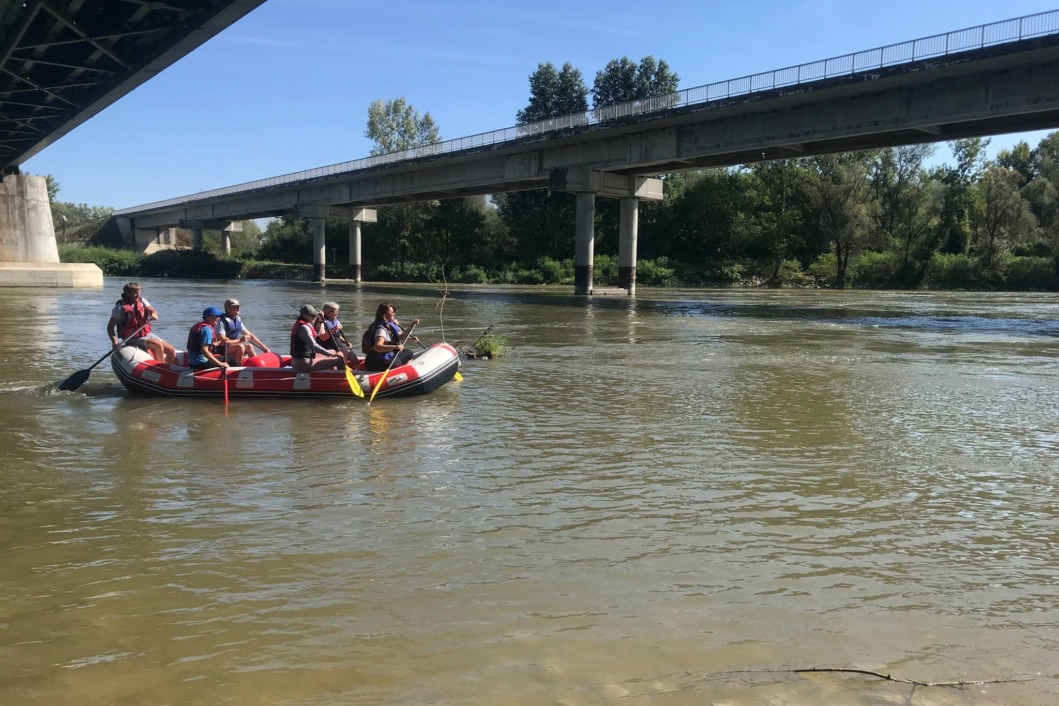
[287,88]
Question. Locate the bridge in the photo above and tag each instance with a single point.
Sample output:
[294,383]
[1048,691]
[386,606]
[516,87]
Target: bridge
[989,79]
[62,62]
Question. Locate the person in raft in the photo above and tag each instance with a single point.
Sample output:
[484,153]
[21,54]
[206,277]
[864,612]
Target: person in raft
[330,334]
[306,353]
[387,338]
[129,314]
[231,336]
[201,354]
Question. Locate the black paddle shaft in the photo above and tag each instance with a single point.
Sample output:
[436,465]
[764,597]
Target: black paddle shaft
[81,376]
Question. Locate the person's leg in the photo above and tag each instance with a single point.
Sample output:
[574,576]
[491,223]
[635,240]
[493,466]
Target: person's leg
[327,363]
[169,352]
[156,349]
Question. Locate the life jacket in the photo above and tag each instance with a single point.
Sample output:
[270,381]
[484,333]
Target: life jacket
[298,347]
[233,328]
[135,317]
[331,343]
[195,341]
[367,341]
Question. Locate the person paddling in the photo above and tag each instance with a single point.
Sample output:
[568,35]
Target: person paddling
[385,339]
[305,351]
[330,334]
[133,313]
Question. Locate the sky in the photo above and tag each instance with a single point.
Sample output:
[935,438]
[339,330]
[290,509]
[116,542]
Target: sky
[287,88]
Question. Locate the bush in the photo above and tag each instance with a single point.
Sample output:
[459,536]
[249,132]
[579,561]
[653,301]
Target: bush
[114,263]
[1036,273]
[490,345]
[791,274]
[953,271]
[605,270]
[656,273]
[876,270]
[825,270]
[555,272]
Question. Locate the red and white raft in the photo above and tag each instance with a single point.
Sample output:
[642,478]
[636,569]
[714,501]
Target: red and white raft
[268,375]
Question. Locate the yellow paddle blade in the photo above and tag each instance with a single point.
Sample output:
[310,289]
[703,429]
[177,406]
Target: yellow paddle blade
[378,385]
[457,376]
[354,386]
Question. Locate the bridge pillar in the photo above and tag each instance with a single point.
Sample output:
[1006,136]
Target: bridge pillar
[29,255]
[354,250]
[319,250]
[584,242]
[196,239]
[628,222]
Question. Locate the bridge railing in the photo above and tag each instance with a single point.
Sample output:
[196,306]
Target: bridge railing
[938,45]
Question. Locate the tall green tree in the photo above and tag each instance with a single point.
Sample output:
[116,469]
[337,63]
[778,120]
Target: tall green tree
[396,125]
[623,80]
[554,94]
[1002,217]
[958,200]
[839,191]
[393,126]
[909,204]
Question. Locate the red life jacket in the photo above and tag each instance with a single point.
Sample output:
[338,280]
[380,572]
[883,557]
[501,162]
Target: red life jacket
[135,317]
[298,347]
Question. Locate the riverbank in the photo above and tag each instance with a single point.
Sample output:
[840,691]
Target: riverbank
[870,271]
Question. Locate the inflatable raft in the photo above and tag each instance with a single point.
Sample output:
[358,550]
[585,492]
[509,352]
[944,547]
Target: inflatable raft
[269,375]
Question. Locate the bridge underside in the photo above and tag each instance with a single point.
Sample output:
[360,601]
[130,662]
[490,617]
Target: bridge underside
[63,61]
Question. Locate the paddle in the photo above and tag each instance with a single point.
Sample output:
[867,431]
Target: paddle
[457,377]
[81,376]
[224,373]
[396,355]
[354,386]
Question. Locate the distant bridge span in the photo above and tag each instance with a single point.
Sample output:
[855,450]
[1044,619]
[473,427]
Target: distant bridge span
[985,80]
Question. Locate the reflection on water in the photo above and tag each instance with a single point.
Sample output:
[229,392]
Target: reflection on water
[678,497]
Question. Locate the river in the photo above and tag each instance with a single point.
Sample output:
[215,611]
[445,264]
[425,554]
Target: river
[672,499]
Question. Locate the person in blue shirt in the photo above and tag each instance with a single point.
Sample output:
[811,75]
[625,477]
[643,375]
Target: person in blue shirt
[201,355]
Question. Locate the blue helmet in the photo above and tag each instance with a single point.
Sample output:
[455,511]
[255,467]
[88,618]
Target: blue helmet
[211,311]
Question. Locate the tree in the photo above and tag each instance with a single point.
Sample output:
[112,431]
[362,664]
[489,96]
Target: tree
[1003,215]
[957,205]
[554,94]
[839,191]
[622,80]
[1021,160]
[395,126]
[909,202]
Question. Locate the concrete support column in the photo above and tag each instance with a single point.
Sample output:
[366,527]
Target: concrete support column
[196,239]
[226,242]
[628,221]
[584,242]
[26,230]
[354,249]
[319,249]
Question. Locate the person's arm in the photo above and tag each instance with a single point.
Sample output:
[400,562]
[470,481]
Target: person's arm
[381,346]
[305,333]
[207,351]
[254,339]
[405,332]
[152,314]
[112,331]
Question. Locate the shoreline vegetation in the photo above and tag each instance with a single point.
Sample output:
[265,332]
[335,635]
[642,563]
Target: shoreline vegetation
[870,271]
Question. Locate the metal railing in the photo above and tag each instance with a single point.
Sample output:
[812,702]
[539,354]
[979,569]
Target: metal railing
[979,37]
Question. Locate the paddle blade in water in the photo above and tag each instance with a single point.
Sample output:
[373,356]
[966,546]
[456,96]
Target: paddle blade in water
[354,386]
[75,381]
